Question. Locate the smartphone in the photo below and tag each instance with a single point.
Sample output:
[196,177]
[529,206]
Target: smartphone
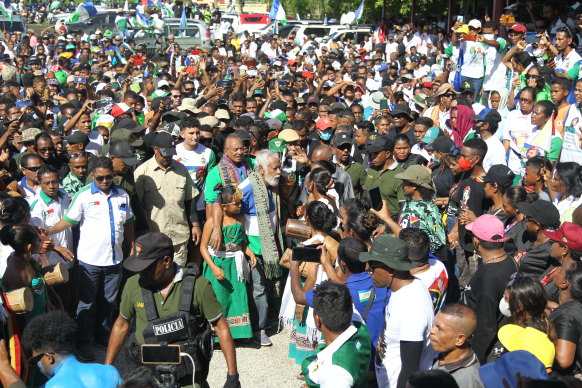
[308,253]
[160,354]
[376,198]
[532,39]
[242,71]
[282,82]
[80,80]
[461,19]
[383,104]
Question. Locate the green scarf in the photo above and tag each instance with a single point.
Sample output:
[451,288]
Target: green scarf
[268,244]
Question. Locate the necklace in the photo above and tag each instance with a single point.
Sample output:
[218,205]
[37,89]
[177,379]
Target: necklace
[485,261]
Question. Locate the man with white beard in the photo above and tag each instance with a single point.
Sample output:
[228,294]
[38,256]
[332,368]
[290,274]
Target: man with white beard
[259,207]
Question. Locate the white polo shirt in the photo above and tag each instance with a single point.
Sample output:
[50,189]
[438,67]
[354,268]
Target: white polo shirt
[45,212]
[100,245]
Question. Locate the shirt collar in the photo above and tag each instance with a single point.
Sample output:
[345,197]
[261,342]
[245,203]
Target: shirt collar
[337,343]
[46,199]
[95,189]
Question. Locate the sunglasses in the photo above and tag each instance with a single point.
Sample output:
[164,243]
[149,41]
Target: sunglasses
[33,169]
[449,95]
[104,178]
[78,154]
[532,76]
[46,149]
[33,361]
[189,90]
[526,100]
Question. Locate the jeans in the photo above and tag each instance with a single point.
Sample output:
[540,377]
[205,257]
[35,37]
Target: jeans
[258,306]
[475,83]
[98,287]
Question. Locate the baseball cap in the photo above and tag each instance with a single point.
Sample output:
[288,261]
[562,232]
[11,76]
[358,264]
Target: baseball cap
[514,337]
[414,58]
[488,115]
[77,137]
[375,142]
[544,212]
[164,141]
[312,100]
[277,144]
[119,109]
[148,248]
[124,134]
[475,23]
[401,109]
[389,251]
[341,138]
[382,67]
[289,135]
[417,175]
[275,124]
[518,27]
[567,234]
[500,174]
[442,144]
[323,123]
[431,135]
[506,367]
[488,228]
[222,114]
[29,134]
[123,151]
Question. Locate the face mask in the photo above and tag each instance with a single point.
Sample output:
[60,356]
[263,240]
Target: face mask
[326,134]
[464,164]
[538,53]
[504,307]
[489,36]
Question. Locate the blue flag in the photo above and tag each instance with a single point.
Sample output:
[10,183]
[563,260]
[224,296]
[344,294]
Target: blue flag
[141,19]
[359,12]
[183,22]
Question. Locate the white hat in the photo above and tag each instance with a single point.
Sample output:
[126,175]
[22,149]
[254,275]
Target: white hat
[475,23]
[92,37]
[98,31]
[163,83]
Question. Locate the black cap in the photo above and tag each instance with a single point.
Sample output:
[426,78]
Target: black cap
[122,150]
[488,115]
[500,174]
[375,142]
[393,65]
[130,124]
[401,109]
[544,212]
[244,135]
[77,137]
[441,144]
[312,100]
[149,248]
[341,138]
[165,142]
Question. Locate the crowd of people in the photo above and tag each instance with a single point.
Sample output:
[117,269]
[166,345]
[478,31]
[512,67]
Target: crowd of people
[407,207]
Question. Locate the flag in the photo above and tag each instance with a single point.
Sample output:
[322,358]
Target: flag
[297,16]
[278,13]
[141,20]
[54,5]
[85,11]
[325,19]
[183,22]
[6,11]
[163,6]
[75,17]
[359,12]
[147,3]
[125,7]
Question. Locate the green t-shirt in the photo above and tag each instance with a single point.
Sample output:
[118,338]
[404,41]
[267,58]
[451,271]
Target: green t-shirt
[358,176]
[213,178]
[344,361]
[390,186]
[205,306]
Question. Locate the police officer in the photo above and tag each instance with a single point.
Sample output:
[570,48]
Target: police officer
[156,297]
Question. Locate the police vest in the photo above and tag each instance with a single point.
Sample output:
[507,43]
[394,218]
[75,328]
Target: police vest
[180,328]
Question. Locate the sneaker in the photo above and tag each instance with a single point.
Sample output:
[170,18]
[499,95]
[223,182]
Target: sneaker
[85,353]
[264,339]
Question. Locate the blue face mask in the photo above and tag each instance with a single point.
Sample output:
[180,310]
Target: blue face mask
[326,134]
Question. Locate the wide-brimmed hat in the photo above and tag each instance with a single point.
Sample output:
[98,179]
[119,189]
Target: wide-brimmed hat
[389,251]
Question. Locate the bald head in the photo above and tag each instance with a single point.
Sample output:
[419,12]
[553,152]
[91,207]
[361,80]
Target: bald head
[234,148]
[462,318]
[323,152]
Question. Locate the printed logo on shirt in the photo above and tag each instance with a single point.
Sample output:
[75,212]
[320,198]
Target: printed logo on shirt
[364,295]
[94,203]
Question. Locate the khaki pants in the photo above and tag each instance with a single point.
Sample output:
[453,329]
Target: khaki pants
[181,254]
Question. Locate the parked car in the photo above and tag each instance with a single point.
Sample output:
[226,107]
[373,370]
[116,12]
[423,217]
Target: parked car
[355,35]
[17,24]
[102,21]
[251,22]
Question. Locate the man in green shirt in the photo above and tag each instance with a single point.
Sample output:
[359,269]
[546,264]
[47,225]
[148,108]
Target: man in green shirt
[342,146]
[382,173]
[153,261]
[344,359]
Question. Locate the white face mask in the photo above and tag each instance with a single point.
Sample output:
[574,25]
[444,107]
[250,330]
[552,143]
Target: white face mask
[504,307]
[538,53]
[489,36]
